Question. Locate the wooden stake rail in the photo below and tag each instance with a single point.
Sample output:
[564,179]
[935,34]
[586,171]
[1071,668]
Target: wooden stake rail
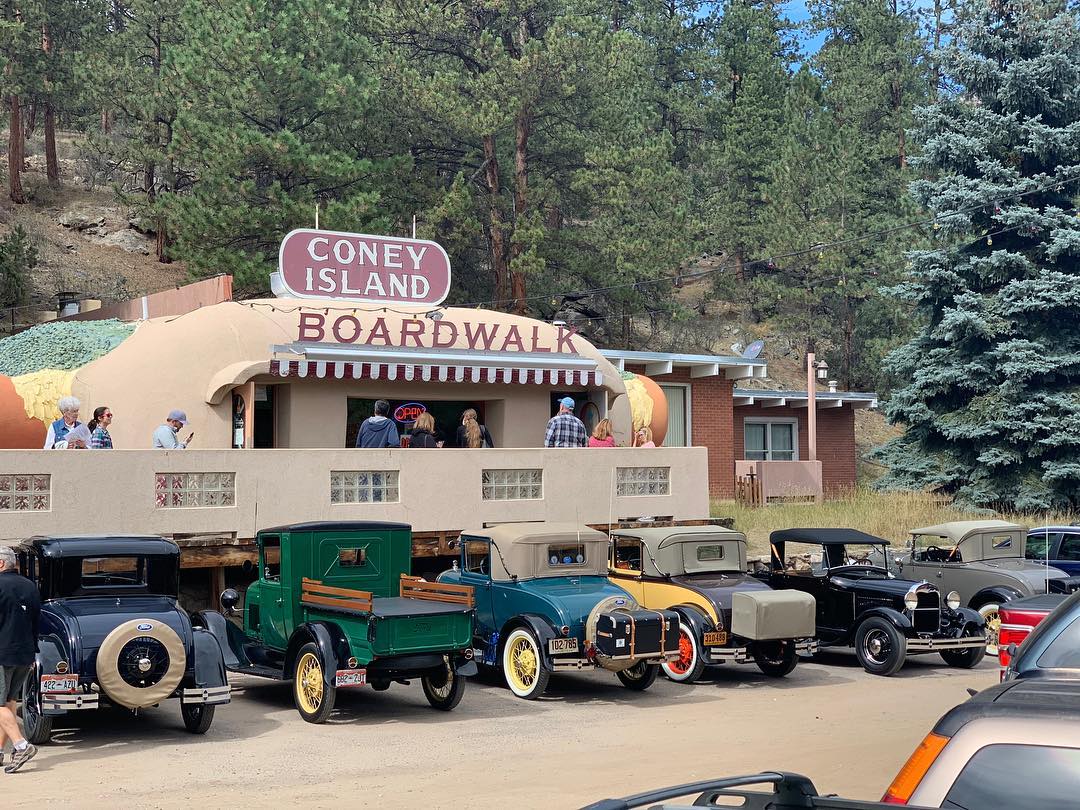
[416,588]
[314,594]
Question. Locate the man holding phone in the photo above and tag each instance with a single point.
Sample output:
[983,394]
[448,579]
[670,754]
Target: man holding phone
[165,436]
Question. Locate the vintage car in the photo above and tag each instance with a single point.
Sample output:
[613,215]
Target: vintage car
[307,620]
[112,632]
[545,605]
[983,561]
[725,614]
[1057,545]
[861,603]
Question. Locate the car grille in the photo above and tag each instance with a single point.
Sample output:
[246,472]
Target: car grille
[927,615]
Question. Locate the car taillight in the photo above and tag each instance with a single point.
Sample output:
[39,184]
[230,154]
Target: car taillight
[1009,634]
[915,769]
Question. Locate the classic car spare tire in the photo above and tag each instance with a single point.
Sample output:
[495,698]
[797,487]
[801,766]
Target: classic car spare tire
[608,605]
[523,665]
[36,726]
[880,647]
[775,658]
[141,663]
[640,676]
[688,667]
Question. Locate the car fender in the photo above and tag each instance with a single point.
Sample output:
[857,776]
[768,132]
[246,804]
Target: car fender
[224,631]
[894,617]
[51,651]
[209,663]
[695,618]
[996,594]
[331,641]
[541,628]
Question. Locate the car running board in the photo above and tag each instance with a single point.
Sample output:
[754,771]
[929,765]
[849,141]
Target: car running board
[260,671]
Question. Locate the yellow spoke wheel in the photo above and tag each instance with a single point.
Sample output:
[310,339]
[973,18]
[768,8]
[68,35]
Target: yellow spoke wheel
[523,665]
[313,697]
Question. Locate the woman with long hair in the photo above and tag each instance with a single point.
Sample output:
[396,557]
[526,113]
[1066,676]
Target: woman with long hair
[423,432]
[99,429]
[602,435]
[471,433]
[643,438]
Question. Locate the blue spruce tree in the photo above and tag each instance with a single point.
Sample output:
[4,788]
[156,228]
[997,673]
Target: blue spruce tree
[989,387]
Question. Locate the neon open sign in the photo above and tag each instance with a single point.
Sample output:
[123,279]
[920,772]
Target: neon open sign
[409,411]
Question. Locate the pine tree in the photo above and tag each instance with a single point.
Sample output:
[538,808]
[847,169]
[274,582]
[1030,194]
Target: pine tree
[991,393]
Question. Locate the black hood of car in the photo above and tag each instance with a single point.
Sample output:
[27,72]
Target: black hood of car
[878,584]
[718,587]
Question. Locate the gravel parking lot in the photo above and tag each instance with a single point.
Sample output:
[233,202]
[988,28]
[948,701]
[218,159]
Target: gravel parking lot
[587,739]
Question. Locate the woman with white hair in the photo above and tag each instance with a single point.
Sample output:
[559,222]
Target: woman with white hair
[59,430]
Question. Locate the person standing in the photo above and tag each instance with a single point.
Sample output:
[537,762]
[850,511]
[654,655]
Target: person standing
[471,433]
[643,438]
[165,436]
[99,429]
[68,421]
[564,429]
[378,430]
[20,608]
[423,432]
[602,435]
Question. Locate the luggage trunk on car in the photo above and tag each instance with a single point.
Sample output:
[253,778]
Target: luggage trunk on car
[764,615]
[637,633]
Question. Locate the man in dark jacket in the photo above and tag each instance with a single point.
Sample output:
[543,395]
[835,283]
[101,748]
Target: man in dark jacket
[20,606]
[378,430]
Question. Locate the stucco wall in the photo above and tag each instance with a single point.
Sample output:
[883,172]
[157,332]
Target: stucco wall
[440,490]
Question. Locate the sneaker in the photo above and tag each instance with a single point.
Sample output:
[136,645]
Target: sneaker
[20,758]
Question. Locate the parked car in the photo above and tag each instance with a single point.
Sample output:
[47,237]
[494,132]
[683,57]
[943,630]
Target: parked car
[111,632]
[861,604]
[983,561]
[1052,648]
[1011,747]
[725,614]
[1018,619]
[544,604]
[1057,545]
[307,620]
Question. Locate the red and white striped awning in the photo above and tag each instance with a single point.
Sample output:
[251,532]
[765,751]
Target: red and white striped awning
[331,369]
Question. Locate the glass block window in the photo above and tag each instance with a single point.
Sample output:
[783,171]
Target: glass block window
[635,481]
[364,486]
[25,493]
[194,489]
[512,485]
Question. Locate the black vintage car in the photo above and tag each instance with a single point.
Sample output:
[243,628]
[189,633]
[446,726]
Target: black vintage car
[111,631]
[861,604]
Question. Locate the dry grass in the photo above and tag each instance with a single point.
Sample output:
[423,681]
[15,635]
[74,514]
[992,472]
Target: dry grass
[888,515]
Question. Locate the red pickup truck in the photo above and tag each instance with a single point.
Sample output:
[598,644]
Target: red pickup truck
[1019,618]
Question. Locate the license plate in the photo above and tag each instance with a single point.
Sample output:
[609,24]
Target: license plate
[562,645]
[350,677]
[59,683]
[717,639]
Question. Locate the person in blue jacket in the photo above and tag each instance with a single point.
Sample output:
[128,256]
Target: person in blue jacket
[68,421]
[378,430]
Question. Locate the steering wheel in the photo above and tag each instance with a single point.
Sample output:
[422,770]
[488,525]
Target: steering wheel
[936,558]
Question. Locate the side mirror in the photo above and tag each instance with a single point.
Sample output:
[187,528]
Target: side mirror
[229,600]
[454,544]
[248,567]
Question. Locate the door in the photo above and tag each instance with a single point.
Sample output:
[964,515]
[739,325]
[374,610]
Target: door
[928,556]
[476,571]
[274,627]
[1068,553]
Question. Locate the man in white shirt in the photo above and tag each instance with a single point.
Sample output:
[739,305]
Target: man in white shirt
[165,437]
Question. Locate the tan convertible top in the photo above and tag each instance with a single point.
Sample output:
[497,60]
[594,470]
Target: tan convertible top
[522,549]
[667,553]
[958,530]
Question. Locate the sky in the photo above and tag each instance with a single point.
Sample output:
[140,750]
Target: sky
[796,12]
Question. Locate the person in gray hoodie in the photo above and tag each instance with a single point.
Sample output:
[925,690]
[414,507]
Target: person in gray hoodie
[378,430]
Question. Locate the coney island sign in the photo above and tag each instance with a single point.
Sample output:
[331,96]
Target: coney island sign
[362,268]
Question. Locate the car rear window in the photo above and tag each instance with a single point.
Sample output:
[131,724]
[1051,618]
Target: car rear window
[562,555]
[1009,777]
[111,572]
[1064,651]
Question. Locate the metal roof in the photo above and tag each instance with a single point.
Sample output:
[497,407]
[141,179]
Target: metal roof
[799,399]
[700,365]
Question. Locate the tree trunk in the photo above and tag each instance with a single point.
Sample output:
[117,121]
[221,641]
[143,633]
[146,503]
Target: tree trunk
[522,129]
[31,120]
[106,122]
[52,167]
[15,152]
[897,93]
[498,238]
[149,178]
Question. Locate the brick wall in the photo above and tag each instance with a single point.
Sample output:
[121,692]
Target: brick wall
[835,445]
[711,425]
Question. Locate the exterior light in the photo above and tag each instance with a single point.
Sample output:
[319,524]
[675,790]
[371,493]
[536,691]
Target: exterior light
[952,599]
[434,315]
[822,369]
[558,323]
[911,599]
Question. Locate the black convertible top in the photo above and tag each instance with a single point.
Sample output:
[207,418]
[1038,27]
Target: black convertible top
[104,545]
[825,537]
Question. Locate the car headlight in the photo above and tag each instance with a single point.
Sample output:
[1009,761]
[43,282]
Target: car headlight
[911,600]
[952,599]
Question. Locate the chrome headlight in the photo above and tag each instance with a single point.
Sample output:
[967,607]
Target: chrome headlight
[911,599]
[952,599]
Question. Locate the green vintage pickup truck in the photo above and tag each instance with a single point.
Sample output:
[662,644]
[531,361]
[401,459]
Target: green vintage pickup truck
[334,607]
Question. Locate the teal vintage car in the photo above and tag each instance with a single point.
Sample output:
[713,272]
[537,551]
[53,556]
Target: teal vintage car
[544,604]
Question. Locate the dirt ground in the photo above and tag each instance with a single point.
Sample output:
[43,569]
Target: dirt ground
[588,739]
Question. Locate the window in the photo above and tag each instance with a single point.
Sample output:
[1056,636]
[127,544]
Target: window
[1050,779]
[109,572]
[770,440]
[1001,541]
[1038,545]
[270,554]
[25,493]
[364,486]
[710,553]
[1070,547]
[478,557]
[194,489]
[352,557]
[642,481]
[566,554]
[627,554]
[512,485]
[678,420]
[1064,651]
